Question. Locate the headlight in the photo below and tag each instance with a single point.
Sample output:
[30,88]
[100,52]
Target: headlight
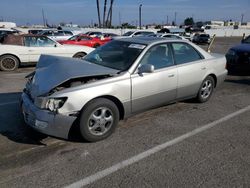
[231,52]
[54,104]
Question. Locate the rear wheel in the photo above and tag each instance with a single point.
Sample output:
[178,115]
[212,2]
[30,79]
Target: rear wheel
[79,55]
[8,63]
[206,89]
[99,120]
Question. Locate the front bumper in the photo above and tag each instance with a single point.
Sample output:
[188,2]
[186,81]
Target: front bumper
[44,121]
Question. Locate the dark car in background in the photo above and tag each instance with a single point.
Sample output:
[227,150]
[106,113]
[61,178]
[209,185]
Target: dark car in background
[201,38]
[238,57]
[35,31]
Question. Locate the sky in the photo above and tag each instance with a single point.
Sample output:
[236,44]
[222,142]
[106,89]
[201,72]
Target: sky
[84,12]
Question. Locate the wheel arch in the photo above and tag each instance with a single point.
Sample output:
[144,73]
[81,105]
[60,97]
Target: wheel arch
[81,52]
[75,126]
[115,100]
[19,61]
[215,79]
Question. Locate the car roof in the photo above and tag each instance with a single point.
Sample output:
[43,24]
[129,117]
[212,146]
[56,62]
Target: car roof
[147,40]
[6,29]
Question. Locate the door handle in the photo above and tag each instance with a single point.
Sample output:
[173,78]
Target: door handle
[171,75]
[203,68]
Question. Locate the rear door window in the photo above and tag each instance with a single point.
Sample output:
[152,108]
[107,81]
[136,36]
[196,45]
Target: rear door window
[185,53]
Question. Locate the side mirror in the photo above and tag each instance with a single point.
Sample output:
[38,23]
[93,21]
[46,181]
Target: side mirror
[55,45]
[146,68]
[78,40]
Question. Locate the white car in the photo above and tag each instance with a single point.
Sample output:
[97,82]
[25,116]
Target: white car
[26,49]
[168,35]
[57,35]
[139,33]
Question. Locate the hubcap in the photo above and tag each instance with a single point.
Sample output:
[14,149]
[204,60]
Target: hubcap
[206,89]
[8,63]
[100,121]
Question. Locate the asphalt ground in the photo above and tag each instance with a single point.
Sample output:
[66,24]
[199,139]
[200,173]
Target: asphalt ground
[185,144]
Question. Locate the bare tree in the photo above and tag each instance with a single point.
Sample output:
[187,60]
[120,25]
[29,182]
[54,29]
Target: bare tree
[98,12]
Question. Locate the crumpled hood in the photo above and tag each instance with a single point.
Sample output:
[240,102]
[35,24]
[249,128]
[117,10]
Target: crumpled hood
[52,71]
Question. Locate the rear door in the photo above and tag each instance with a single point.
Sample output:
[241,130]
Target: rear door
[191,69]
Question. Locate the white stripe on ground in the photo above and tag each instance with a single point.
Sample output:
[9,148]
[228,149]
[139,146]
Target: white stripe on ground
[101,174]
[7,103]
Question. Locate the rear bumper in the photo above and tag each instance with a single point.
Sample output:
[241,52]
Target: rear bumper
[221,78]
[44,121]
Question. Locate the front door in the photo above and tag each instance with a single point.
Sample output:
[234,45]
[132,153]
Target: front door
[156,88]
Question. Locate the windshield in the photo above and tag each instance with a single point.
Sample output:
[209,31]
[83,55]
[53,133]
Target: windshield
[73,38]
[128,33]
[117,55]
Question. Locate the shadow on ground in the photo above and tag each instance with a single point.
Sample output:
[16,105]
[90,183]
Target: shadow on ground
[12,125]
[245,80]
[14,128]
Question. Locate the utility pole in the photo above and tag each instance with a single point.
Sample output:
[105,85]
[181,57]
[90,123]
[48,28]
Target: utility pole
[175,15]
[167,19]
[242,18]
[44,22]
[120,19]
[140,15]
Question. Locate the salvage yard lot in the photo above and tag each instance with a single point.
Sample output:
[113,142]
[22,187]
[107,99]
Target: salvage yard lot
[214,157]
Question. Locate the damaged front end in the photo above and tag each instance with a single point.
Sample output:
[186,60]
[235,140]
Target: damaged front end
[40,104]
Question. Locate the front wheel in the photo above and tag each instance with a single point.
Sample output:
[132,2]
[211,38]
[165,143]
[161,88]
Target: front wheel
[8,63]
[206,89]
[98,120]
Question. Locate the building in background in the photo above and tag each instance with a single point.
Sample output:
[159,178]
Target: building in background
[7,24]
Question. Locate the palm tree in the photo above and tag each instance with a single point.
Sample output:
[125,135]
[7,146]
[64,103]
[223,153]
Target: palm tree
[104,13]
[111,11]
[98,12]
[109,16]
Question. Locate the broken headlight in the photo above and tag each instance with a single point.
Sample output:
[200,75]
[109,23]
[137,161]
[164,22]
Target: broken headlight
[54,104]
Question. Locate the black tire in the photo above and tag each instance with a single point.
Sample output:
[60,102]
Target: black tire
[206,89]
[98,119]
[79,55]
[96,45]
[8,63]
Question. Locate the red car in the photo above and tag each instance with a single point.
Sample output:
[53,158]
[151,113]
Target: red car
[85,40]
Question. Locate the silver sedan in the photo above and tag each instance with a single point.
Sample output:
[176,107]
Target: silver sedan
[117,80]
